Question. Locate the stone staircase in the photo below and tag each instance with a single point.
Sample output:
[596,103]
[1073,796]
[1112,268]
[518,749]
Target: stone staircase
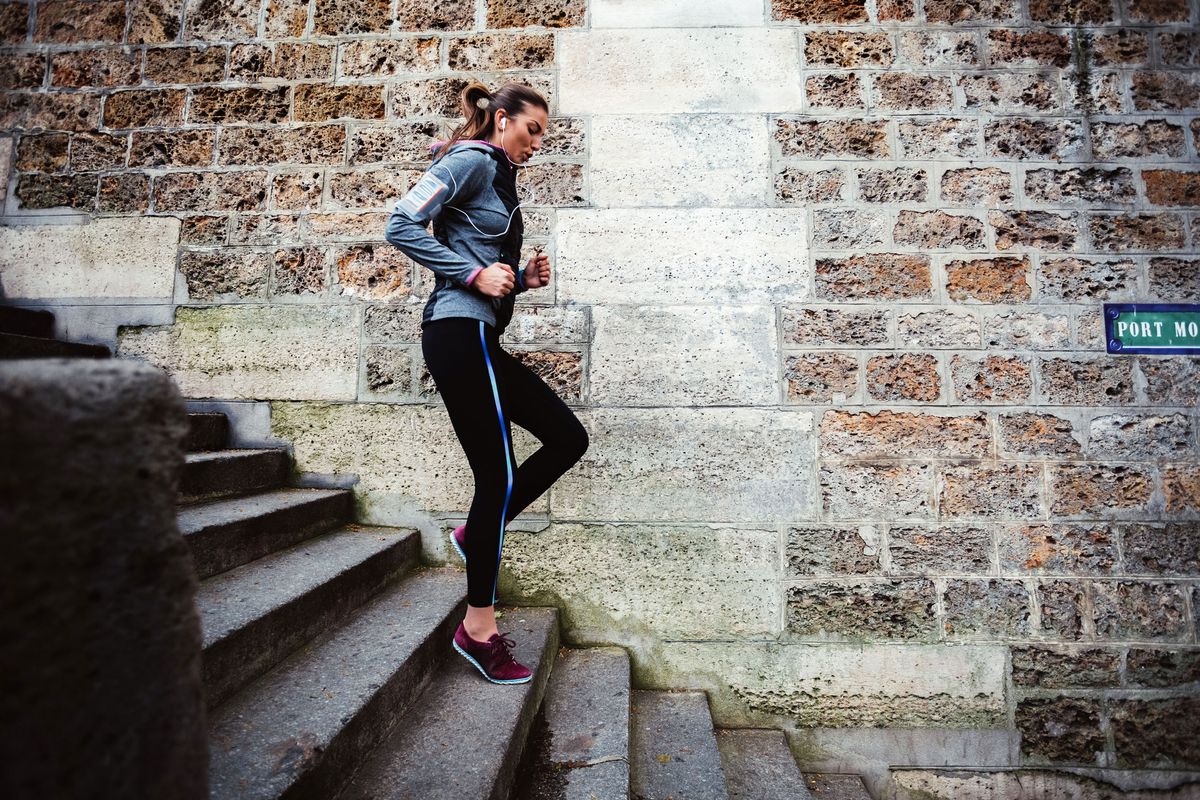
[329,673]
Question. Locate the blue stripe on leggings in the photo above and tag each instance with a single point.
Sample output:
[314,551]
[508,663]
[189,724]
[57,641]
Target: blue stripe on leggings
[507,459]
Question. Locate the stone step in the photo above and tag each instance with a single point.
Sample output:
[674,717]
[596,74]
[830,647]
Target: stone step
[256,614]
[759,765]
[579,744]
[207,430]
[231,473]
[673,748]
[300,729]
[464,736]
[836,786]
[14,346]
[224,534]
[35,322]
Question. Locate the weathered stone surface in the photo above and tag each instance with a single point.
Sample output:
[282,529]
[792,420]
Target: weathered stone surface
[1156,733]
[1154,138]
[825,11]
[888,433]
[635,256]
[992,378]
[859,490]
[414,15]
[637,576]
[934,550]
[989,280]
[72,21]
[847,49]
[557,324]
[52,111]
[221,20]
[1005,491]
[42,152]
[1065,667]
[561,371]
[1057,549]
[225,274]
[1118,233]
[297,190]
[1174,279]
[216,104]
[1039,230]
[124,193]
[254,352]
[1009,92]
[210,191]
[144,108]
[375,271]
[682,160]
[1162,549]
[105,67]
[1172,381]
[906,91]
[387,57]
[847,229]
[185,64]
[154,21]
[835,327]
[1086,381]
[677,71]
[389,371]
[554,184]
[76,191]
[756,466]
[900,377]
[545,13]
[1019,139]
[111,257]
[989,608]
[1140,436]
[874,276]
[796,185]
[299,271]
[393,323]
[734,349]
[288,61]
[839,610]
[192,148]
[938,137]
[1181,488]
[93,151]
[1091,489]
[835,138]
[832,550]
[1161,667]
[1062,605]
[988,186]
[311,144]
[834,91]
[1027,330]
[265,229]
[1140,610]
[1061,729]
[821,377]
[1040,435]
[286,18]
[316,102]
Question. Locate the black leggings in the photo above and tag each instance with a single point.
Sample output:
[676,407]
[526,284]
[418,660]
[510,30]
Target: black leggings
[484,389]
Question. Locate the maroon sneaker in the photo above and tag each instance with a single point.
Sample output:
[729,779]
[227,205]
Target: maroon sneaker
[492,657]
[458,538]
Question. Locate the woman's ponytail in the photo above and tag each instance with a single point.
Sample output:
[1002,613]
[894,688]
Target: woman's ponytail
[479,110]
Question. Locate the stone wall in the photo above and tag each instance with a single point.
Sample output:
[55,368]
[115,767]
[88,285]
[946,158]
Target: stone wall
[827,296]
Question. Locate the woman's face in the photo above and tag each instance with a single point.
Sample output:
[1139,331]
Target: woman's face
[522,134]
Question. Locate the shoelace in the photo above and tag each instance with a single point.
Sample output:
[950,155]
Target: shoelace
[500,646]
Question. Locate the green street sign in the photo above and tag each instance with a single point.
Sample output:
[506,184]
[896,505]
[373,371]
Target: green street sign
[1152,328]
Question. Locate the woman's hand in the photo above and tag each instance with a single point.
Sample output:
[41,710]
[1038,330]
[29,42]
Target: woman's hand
[537,271]
[495,280]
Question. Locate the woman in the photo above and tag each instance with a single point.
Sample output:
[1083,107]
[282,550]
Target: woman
[470,193]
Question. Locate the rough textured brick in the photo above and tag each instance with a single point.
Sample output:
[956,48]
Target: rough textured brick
[907,376]
[1099,489]
[203,230]
[793,185]
[300,190]
[1019,139]
[344,227]
[1169,187]
[213,104]
[1162,549]
[899,609]
[373,59]
[937,229]
[14,23]
[1061,729]
[991,608]
[840,138]
[858,491]
[379,272]
[1154,137]
[63,112]
[144,108]
[1012,491]
[42,152]
[1172,381]
[104,67]
[210,191]
[1156,733]
[847,228]
[1136,232]
[80,21]
[405,142]
[874,276]
[834,91]
[1140,610]
[1057,549]
[847,49]
[286,18]
[1086,382]
[1178,49]
[388,370]
[831,550]
[1075,279]
[561,371]
[1174,279]
[185,64]
[154,21]
[833,327]
[545,13]
[1181,488]
[1160,667]
[193,148]
[1080,186]
[555,184]
[989,280]
[370,188]
[77,191]
[1010,92]
[1062,604]
[1027,330]
[1065,667]
[953,11]
[819,12]
[1164,91]
[898,10]
[217,274]
[452,15]
[903,91]
[1140,436]
[1034,434]
[938,137]
[94,151]
[989,186]
[888,433]
[938,48]
[299,271]
[311,144]
[940,549]
[254,62]
[316,102]
[124,193]
[22,71]
[1027,48]
[221,20]
[1042,230]
[992,378]
[265,229]
[494,51]
[344,17]
[821,377]
[940,328]
[1096,12]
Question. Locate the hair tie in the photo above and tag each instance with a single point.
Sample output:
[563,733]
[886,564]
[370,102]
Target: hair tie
[484,101]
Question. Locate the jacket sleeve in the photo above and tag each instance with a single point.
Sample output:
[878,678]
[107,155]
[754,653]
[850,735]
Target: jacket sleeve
[457,175]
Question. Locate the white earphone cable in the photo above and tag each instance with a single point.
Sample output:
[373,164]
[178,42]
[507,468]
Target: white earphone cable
[468,216]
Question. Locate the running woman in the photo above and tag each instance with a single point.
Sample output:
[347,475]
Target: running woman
[470,194]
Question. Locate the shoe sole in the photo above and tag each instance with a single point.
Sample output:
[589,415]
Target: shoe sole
[483,672]
[458,549]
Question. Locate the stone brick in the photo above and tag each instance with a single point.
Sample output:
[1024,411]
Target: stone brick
[1156,733]
[221,20]
[265,229]
[896,609]
[1096,12]
[938,137]
[14,22]
[144,108]
[889,433]
[297,191]
[835,138]
[494,51]
[737,344]
[392,323]
[56,111]
[1020,139]
[413,15]
[154,21]
[346,17]
[287,61]
[203,230]
[1080,186]
[1065,667]
[62,21]
[388,57]
[1178,49]
[1162,549]
[223,274]
[874,276]
[760,461]
[795,185]
[544,13]
[405,142]
[316,102]
[561,371]
[1034,434]
[991,608]
[192,148]
[1087,381]
[377,189]
[1061,729]
[905,91]
[210,191]
[388,370]
[821,377]
[1168,187]
[1172,381]
[286,18]
[906,376]
[1149,139]
[989,280]
[555,184]
[899,10]
[847,228]
[1137,232]
[214,104]
[548,325]
[344,227]
[1027,330]
[42,152]
[859,491]
[1010,92]
[93,151]
[937,229]
[1140,436]
[185,64]
[847,49]
[822,12]
[959,11]
[988,186]
[125,193]
[893,185]
[938,48]
[835,327]
[22,70]
[567,136]
[1012,491]
[374,271]
[284,351]
[1164,90]
[641,256]
[1075,279]
[1095,93]
[1041,230]
[1174,279]
[311,144]
[992,378]
[938,329]
[1031,48]
[1099,489]
[1062,604]
[1140,610]
[1057,549]
[1181,488]
[940,549]
[1160,668]
[831,550]
[104,67]
[299,271]
[77,190]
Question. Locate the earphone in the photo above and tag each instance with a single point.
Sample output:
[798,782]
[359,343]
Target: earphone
[503,120]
